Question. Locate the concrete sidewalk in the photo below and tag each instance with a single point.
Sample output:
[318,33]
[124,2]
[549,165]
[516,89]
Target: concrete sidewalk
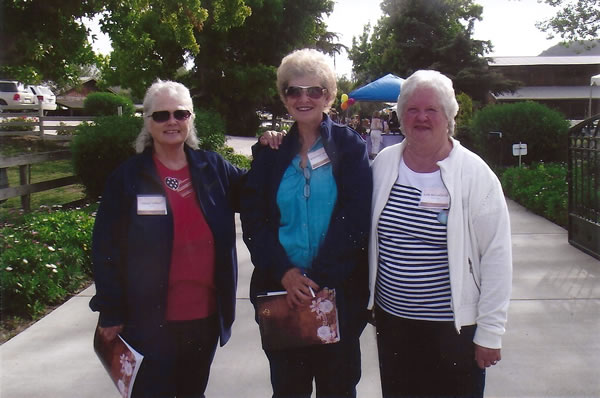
[551,348]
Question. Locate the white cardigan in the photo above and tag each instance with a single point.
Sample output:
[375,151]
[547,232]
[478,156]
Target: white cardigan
[479,240]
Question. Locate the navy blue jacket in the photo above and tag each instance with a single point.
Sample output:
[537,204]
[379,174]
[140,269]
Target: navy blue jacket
[341,261]
[132,253]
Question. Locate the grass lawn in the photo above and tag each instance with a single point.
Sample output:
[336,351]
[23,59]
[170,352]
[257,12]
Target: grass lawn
[14,146]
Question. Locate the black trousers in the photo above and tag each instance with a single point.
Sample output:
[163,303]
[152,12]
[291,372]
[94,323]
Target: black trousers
[335,369]
[195,343]
[426,359]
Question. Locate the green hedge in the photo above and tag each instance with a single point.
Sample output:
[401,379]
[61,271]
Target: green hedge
[44,260]
[106,104]
[541,188]
[99,147]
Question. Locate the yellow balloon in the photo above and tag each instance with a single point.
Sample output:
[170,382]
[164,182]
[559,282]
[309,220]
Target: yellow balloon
[344,98]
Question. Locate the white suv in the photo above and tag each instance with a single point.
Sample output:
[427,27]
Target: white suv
[44,96]
[14,96]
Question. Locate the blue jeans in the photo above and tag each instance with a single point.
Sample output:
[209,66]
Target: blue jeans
[426,358]
[335,369]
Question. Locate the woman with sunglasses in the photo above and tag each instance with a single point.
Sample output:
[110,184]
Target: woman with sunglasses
[164,255]
[305,217]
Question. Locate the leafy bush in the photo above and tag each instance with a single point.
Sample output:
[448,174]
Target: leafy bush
[543,130]
[6,124]
[211,129]
[106,104]
[99,147]
[44,259]
[235,159]
[541,188]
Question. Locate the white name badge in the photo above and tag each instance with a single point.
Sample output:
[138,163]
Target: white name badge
[318,158]
[434,199]
[151,205]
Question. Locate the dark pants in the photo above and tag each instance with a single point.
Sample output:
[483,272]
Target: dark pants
[426,359]
[335,369]
[194,343]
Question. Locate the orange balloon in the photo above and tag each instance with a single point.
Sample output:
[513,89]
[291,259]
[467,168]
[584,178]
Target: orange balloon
[344,105]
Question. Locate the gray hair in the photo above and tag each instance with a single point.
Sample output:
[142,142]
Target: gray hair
[174,89]
[440,84]
[306,62]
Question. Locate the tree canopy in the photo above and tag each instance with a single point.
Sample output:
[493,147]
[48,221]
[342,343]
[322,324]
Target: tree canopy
[575,20]
[45,39]
[431,34]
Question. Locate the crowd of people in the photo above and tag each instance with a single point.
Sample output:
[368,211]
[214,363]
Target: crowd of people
[416,241]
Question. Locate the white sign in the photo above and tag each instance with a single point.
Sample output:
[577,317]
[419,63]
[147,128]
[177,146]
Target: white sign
[519,149]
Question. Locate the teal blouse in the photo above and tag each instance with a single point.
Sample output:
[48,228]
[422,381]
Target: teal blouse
[306,199]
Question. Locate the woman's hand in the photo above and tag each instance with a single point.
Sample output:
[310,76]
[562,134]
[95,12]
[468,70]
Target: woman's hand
[272,138]
[111,332]
[486,357]
[298,287]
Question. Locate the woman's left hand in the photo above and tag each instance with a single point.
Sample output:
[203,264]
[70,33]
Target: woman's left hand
[486,357]
[298,287]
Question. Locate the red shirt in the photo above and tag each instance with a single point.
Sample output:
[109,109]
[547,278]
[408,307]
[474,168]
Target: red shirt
[191,293]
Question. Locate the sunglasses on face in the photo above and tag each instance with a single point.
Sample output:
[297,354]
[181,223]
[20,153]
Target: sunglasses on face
[314,92]
[163,116]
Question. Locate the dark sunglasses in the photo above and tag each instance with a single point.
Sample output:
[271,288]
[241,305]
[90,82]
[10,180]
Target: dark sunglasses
[314,92]
[163,116]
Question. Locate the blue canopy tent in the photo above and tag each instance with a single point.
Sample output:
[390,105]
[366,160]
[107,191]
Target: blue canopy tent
[384,89]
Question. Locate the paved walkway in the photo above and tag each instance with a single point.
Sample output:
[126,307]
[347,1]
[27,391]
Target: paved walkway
[551,348]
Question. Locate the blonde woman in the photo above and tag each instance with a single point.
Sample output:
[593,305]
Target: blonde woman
[305,217]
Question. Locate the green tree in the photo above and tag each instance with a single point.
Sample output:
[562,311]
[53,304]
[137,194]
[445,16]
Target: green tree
[155,39]
[235,71]
[45,39]
[428,34]
[575,20]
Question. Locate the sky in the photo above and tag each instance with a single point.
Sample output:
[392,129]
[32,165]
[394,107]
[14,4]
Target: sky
[508,24]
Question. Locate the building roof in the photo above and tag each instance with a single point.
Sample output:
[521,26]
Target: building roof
[528,61]
[551,93]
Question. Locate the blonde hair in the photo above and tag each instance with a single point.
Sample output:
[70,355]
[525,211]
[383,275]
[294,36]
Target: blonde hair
[175,90]
[440,84]
[307,62]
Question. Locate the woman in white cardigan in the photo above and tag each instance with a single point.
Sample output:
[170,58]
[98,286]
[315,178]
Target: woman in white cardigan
[440,252]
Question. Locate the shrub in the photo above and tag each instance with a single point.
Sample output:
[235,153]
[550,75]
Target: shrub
[543,130]
[235,159]
[541,188]
[45,259]
[211,129]
[6,124]
[106,104]
[99,147]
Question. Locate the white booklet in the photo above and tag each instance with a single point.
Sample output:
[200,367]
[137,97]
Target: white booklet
[120,360]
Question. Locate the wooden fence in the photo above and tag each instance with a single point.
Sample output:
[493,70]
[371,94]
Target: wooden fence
[55,128]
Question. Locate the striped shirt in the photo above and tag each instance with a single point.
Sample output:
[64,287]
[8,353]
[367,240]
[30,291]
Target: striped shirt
[413,279]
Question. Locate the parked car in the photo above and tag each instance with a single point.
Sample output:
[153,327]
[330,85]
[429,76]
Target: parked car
[44,96]
[14,96]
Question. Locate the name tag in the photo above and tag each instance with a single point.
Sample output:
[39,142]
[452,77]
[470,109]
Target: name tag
[434,199]
[151,205]
[318,158]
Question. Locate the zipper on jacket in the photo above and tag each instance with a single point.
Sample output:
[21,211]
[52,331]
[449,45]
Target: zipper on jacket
[473,275]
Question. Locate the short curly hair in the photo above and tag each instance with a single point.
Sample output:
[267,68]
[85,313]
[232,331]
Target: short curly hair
[307,62]
[174,89]
[441,85]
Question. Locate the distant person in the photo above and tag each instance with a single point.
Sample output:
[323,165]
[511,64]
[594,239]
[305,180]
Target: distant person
[305,217]
[439,254]
[394,123]
[164,255]
[376,129]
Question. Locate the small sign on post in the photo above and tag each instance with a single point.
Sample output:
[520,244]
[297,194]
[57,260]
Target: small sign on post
[519,150]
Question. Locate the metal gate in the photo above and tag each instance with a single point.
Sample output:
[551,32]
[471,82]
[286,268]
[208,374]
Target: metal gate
[584,186]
